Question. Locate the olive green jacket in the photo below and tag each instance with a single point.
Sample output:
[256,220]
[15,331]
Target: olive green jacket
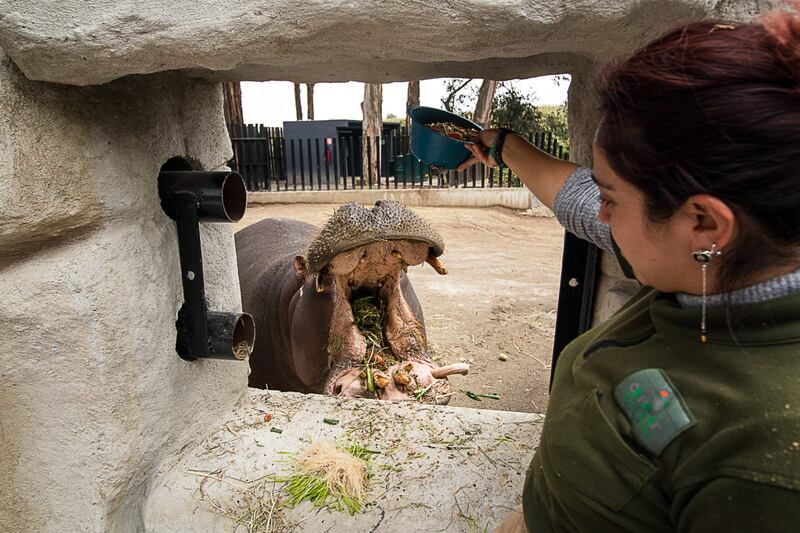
[733,462]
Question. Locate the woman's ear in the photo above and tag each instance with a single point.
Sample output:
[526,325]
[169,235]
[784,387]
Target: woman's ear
[300,265]
[712,221]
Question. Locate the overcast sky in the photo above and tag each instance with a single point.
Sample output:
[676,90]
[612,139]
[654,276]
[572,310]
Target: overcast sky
[271,103]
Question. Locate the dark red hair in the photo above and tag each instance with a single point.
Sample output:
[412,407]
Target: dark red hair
[714,108]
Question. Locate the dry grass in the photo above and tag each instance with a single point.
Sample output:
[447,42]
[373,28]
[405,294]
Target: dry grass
[254,505]
[327,475]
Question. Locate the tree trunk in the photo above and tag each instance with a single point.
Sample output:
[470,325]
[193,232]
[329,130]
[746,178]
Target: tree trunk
[371,128]
[232,105]
[298,104]
[232,93]
[483,107]
[412,100]
[310,101]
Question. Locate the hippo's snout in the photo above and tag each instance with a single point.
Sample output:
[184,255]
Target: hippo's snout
[409,380]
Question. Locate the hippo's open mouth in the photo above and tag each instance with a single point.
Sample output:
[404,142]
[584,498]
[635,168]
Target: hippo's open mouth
[377,346]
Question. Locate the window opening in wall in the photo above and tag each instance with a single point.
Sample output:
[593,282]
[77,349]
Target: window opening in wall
[496,308]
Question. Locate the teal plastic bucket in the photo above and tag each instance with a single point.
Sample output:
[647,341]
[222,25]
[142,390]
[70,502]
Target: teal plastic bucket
[433,147]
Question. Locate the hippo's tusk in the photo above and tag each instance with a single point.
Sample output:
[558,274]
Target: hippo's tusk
[320,287]
[455,368]
[437,265]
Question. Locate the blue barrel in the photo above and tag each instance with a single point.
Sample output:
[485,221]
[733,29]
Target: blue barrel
[433,147]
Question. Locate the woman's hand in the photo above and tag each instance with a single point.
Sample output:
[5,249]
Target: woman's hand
[480,151]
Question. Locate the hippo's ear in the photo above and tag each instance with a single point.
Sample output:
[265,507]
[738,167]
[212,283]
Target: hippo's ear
[300,265]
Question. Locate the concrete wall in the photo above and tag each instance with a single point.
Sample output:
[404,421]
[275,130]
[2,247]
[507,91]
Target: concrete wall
[86,42]
[512,198]
[92,394]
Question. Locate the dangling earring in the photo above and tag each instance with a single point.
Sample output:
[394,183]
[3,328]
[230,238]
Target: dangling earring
[704,257]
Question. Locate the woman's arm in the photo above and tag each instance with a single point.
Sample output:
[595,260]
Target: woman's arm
[567,189]
[576,207]
[730,504]
[543,174]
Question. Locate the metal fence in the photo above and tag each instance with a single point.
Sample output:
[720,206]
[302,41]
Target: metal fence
[269,162]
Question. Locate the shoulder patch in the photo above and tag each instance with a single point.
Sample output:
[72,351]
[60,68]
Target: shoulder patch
[655,409]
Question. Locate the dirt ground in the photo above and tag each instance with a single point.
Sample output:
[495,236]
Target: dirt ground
[499,297]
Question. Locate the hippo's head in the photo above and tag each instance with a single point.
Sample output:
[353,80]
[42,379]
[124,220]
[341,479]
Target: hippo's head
[376,345]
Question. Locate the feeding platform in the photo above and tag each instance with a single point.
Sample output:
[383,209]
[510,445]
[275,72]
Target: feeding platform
[436,467]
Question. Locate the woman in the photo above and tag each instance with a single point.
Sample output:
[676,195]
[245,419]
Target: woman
[681,412]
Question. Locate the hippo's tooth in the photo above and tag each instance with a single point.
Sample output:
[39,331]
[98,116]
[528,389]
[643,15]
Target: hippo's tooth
[381,380]
[455,368]
[401,377]
[319,285]
[437,265]
[397,255]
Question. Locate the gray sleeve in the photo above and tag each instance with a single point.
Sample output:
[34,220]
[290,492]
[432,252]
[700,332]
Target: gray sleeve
[576,207]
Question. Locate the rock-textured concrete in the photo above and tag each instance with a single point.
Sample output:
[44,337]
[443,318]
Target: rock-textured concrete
[92,393]
[436,468]
[93,41]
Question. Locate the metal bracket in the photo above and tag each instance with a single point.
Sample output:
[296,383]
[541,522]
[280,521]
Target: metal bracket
[189,198]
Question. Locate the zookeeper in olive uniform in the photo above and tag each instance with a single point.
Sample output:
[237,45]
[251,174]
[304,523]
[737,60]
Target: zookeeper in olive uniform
[681,412]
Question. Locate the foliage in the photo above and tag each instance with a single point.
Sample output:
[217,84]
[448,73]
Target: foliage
[511,108]
[460,96]
[555,121]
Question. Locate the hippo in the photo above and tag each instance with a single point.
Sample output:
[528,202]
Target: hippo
[335,312]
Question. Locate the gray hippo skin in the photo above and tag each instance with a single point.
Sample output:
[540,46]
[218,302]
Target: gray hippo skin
[299,283]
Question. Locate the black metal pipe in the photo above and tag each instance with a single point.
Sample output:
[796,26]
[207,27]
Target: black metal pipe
[190,198]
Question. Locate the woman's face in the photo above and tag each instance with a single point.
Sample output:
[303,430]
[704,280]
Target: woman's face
[660,253]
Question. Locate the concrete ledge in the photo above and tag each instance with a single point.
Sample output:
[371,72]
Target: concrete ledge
[512,198]
[437,468]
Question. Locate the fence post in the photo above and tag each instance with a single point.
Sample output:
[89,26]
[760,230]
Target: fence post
[262,156]
[302,165]
[319,168]
[335,161]
[352,171]
[368,164]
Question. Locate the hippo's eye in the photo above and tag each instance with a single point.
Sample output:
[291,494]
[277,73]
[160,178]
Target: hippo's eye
[337,390]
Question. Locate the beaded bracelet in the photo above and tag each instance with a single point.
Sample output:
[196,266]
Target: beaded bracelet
[496,150]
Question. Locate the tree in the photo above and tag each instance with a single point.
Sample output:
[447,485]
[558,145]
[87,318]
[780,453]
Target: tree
[412,100]
[510,108]
[232,95]
[483,107]
[555,121]
[514,110]
[371,131]
[310,101]
[298,104]
[459,93]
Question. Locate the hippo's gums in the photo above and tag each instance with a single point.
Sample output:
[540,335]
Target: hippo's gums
[342,319]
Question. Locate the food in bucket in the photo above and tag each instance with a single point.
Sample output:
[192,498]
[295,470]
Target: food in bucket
[454,131]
